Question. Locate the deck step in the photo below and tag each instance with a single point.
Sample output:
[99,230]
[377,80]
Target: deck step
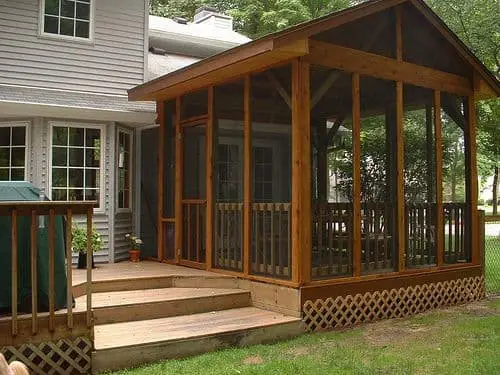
[129,344]
[157,282]
[126,306]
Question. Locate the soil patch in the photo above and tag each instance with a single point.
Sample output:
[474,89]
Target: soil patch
[253,360]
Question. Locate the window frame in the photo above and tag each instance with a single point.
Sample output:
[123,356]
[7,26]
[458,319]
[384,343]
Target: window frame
[43,34]
[102,186]
[27,141]
[130,133]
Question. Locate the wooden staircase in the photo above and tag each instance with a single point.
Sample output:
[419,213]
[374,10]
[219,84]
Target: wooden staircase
[145,320]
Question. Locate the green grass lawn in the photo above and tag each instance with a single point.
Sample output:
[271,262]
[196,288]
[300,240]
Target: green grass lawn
[457,340]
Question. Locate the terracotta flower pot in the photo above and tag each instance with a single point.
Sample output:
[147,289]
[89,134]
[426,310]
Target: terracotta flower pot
[134,255]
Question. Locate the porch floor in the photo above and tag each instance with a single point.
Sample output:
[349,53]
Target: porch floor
[144,269]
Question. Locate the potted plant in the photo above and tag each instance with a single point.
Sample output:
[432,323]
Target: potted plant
[135,247]
[79,244]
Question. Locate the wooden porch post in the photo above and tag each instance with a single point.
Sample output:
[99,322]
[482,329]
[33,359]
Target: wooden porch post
[356,175]
[301,173]
[210,182]
[471,181]
[160,112]
[179,177]
[247,176]
[400,197]
[439,180]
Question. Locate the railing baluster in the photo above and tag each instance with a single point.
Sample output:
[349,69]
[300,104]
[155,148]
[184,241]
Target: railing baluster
[34,273]
[89,267]
[273,259]
[14,279]
[69,267]
[198,244]
[51,270]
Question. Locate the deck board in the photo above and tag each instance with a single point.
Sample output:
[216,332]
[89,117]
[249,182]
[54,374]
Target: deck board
[185,327]
[144,269]
[130,297]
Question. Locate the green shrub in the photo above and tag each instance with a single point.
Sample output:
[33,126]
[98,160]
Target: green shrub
[79,243]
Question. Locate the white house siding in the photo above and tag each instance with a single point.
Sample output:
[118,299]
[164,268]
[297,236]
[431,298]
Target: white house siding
[123,225]
[112,63]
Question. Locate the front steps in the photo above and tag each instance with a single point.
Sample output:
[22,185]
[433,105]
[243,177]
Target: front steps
[129,344]
[145,320]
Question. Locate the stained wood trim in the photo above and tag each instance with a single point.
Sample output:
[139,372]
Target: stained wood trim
[179,177]
[301,173]
[439,179]
[192,264]
[472,183]
[345,286]
[355,61]
[356,167]
[220,69]
[400,185]
[247,178]
[160,110]
[209,168]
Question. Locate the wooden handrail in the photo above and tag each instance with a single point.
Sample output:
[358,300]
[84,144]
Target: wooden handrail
[34,210]
[491,218]
[25,208]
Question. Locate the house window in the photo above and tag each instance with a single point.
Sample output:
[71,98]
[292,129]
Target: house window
[12,152]
[76,163]
[69,18]
[228,171]
[263,174]
[124,163]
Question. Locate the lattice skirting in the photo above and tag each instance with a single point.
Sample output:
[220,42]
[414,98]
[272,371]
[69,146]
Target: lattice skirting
[345,311]
[61,357]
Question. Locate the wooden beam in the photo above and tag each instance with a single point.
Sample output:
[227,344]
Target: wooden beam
[218,69]
[209,232]
[400,185]
[335,75]
[301,173]
[471,177]
[439,180]
[247,178]
[366,63]
[160,112]
[356,169]
[279,87]
[179,176]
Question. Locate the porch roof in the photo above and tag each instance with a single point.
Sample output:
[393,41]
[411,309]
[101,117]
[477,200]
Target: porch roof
[293,42]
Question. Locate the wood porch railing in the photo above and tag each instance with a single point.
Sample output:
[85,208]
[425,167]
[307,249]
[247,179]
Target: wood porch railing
[332,223]
[49,211]
[332,237]
[270,238]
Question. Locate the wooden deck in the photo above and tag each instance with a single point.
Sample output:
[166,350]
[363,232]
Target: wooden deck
[148,311]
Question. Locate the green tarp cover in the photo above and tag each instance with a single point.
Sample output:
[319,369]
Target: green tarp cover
[24,191]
